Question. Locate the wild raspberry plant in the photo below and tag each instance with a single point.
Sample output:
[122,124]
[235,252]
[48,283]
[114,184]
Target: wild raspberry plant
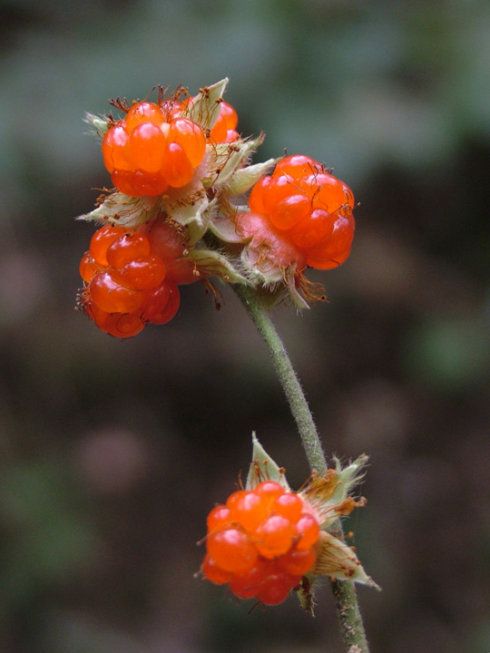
[188,205]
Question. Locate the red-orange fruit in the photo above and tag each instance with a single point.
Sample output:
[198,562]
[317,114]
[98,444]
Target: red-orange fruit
[274,536]
[232,550]
[113,297]
[152,149]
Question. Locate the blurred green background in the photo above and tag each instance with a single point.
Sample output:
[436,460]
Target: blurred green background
[112,452]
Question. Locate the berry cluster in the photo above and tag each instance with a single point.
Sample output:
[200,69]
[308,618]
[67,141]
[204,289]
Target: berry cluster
[131,277]
[304,207]
[152,149]
[261,543]
[155,147]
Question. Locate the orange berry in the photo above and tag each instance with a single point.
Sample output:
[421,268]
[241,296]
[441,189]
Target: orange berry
[127,248]
[249,510]
[215,574]
[143,112]
[256,199]
[308,530]
[218,518]
[178,169]
[190,137]
[88,267]
[123,325]
[274,536]
[297,165]
[146,148]
[309,208]
[297,562]
[246,585]
[143,274]
[114,148]
[113,297]
[162,304]
[331,253]
[275,588]
[234,498]
[165,240]
[152,149]
[288,505]
[101,240]
[289,211]
[224,129]
[269,489]
[139,183]
[232,550]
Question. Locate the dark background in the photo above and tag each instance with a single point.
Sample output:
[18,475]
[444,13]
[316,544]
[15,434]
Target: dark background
[112,452]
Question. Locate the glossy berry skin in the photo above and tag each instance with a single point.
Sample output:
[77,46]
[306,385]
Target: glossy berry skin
[224,129]
[152,150]
[132,276]
[302,213]
[253,543]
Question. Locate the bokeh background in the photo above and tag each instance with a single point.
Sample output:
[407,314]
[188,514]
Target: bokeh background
[112,452]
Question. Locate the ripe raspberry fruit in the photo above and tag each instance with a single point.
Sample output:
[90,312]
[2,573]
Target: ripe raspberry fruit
[132,276]
[232,550]
[152,149]
[224,129]
[252,542]
[302,206]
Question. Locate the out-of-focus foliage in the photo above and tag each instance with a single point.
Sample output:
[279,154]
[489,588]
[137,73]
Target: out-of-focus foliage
[112,452]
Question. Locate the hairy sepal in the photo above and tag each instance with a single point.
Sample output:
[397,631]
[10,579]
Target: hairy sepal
[204,108]
[124,210]
[189,209]
[213,263]
[264,468]
[243,179]
[338,561]
[329,494]
[98,124]
[226,158]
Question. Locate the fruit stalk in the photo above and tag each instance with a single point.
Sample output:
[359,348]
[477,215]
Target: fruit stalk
[348,612]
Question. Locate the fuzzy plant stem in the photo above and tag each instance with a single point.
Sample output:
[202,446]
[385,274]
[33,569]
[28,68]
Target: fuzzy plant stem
[348,612]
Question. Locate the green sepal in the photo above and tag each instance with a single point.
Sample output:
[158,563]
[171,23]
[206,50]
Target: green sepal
[189,211]
[227,158]
[99,124]
[124,210]
[204,109]
[264,468]
[213,263]
[243,179]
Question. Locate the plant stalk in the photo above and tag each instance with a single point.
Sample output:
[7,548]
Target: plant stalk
[348,612]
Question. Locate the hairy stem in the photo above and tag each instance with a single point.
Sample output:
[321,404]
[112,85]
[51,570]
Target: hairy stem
[349,615]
